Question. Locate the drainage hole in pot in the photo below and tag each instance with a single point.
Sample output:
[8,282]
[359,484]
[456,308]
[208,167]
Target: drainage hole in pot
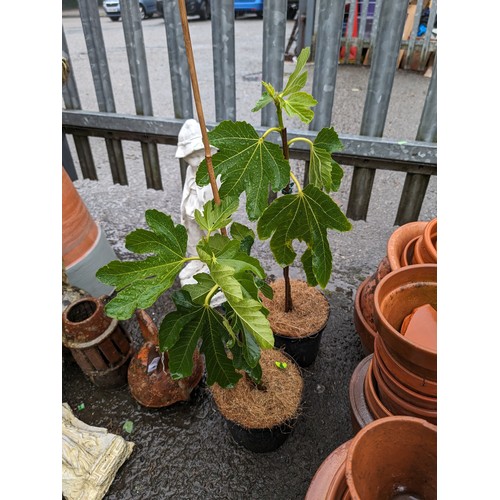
[82,311]
[401,493]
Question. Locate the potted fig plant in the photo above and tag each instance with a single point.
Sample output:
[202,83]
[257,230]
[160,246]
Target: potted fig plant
[248,163]
[237,339]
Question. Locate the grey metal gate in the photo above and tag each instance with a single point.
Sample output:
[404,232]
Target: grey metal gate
[367,151]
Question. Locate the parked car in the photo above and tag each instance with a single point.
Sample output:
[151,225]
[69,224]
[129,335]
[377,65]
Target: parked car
[249,7]
[257,7]
[193,8]
[113,10]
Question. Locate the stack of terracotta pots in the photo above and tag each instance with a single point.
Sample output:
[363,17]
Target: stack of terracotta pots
[393,457]
[399,375]
[412,243]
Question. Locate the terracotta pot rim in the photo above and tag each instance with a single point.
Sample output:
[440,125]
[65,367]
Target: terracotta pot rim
[390,398]
[321,482]
[361,435]
[357,398]
[394,334]
[413,228]
[429,231]
[409,246]
[359,317]
[390,379]
[411,379]
[381,410]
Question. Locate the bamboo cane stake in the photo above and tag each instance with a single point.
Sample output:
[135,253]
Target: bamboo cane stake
[198,104]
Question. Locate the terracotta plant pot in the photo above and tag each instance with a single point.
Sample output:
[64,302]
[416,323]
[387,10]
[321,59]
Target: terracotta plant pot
[99,344]
[394,457]
[425,251]
[360,412]
[149,379]
[399,389]
[395,404]
[329,481]
[396,296]
[375,405]
[261,418]
[85,248]
[407,254]
[395,258]
[299,331]
[409,379]
[399,240]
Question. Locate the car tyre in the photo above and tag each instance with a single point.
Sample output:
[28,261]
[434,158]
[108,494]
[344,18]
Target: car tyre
[205,10]
[114,18]
[142,11]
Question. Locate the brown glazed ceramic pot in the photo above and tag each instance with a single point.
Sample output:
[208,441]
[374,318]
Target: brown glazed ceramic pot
[396,296]
[393,457]
[149,379]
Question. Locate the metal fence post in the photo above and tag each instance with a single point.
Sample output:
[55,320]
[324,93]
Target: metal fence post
[382,72]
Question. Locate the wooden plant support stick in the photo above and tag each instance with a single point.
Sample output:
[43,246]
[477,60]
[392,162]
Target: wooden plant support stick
[198,104]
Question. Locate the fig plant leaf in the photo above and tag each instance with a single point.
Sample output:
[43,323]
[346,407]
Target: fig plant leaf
[305,216]
[216,216]
[245,162]
[324,171]
[298,105]
[298,78]
[244,235]
[139,284]
[181,332]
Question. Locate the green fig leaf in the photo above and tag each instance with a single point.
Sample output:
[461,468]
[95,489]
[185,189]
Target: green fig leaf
[264,100]
[324,172]
[305,216]
[216,216]
[201,323]
[298,78]
[246,163]
[138,284]
[299,104]
[244,235]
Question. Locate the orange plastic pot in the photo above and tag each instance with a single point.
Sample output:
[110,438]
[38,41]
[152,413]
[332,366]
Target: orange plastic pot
[396,296]
[393,456]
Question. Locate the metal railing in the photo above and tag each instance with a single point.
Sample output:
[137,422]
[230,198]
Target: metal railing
[367,152]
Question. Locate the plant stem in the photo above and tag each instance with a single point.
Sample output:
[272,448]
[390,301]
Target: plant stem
[286,154]
[210,294]
[198,104]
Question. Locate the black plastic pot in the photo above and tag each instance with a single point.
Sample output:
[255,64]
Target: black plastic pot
[261,440]
[303,350]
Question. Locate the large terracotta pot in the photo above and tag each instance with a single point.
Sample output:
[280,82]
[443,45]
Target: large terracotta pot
[85,247]
[375,405]
[396,296]
[393,457]
[400,238]
[395,259]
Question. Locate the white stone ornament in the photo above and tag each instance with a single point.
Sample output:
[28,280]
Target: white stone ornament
[190,147]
